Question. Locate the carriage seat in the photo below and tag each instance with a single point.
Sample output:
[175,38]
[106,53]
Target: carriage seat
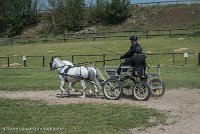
[126,64]
[138,62]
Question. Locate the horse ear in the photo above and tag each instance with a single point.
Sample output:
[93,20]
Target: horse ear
[53,57]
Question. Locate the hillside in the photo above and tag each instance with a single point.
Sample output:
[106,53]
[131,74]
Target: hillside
[160,17]
[154,17]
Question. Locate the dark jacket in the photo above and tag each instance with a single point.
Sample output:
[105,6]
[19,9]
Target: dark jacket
[139,64]
[132,51]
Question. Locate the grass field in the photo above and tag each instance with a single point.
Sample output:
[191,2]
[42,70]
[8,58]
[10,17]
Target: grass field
[20,115]
[111,48]
[43,79]
[34,77]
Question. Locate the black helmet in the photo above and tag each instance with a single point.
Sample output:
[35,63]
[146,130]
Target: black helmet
[138,50]
[133,38]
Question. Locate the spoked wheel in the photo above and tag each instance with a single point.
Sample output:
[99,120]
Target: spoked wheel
[141,91]
[112,89]
[128,82]
[157,88]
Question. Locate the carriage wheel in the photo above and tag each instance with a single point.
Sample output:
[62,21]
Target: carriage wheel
[128,82]
[112,89]
[158,88]
[141,91]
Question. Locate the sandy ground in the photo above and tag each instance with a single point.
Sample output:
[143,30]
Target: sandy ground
[181,105]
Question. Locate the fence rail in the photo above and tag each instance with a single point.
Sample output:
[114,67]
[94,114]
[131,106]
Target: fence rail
[158,3]
[144,4]
[104,59]
[100,35]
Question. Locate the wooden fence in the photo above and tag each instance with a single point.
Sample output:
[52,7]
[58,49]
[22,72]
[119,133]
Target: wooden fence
[25,60]
[158,3]
[99,35]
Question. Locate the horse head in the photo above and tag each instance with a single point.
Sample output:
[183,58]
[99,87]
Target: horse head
[56,63]
[52,63]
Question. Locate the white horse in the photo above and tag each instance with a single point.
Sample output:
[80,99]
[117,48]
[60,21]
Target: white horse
[71,84]
[68,73]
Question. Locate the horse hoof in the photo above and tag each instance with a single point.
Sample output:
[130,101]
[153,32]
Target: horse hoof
[83,97]
[61,96]
[74,90]
[96,92]
[90,92]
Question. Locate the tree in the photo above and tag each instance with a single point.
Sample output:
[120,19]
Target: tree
[75,14]
[98,11]
[110,11]
[67,15]
[16,15]
[117,11]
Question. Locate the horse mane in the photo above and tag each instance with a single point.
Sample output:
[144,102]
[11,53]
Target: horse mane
[59,61]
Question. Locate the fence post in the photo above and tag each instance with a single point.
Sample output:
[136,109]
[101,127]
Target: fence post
[185,55]
[193,31]
[173,57]
[170,33]
[64,37]
[147,34]
[72,58]
[24,63]
[8,58]
[198,59]
[94,38]
[43,61]
[24,59]
[84,36]
[46,38]
[104,60]
[29,40]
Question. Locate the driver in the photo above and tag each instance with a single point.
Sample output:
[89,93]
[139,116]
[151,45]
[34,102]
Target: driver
[134,49]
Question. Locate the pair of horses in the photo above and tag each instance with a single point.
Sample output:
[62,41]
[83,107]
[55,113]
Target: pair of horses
[72,74]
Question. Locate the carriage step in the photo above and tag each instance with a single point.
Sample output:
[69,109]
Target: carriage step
[153,75]
[156,87]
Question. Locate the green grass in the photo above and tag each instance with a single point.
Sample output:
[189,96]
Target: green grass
[74,118]
[112,48]
[181,77]
[37,79]
[28,79]
[34,77]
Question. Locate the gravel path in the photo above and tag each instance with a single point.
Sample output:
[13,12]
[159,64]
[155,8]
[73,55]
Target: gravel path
[181,105]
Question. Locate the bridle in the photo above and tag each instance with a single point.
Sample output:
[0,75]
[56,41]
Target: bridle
[55,66]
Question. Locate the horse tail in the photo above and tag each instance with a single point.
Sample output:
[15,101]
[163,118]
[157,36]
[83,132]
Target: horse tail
[93,75]
[99,74]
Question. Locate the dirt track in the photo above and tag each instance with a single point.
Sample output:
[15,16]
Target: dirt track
[182,106]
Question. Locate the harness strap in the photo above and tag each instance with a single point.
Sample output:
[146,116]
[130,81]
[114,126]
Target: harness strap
[64,74]
[81,74]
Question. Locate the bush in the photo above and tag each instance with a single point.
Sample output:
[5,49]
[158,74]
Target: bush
[110,12]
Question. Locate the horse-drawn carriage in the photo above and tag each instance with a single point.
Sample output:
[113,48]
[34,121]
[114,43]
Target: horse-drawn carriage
[125,83]
[118,83]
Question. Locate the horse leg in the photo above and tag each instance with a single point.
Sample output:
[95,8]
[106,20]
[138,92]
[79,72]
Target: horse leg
[96,83]
[95,91]
[62,88]
[84,88]
[70,87]
[91,92]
